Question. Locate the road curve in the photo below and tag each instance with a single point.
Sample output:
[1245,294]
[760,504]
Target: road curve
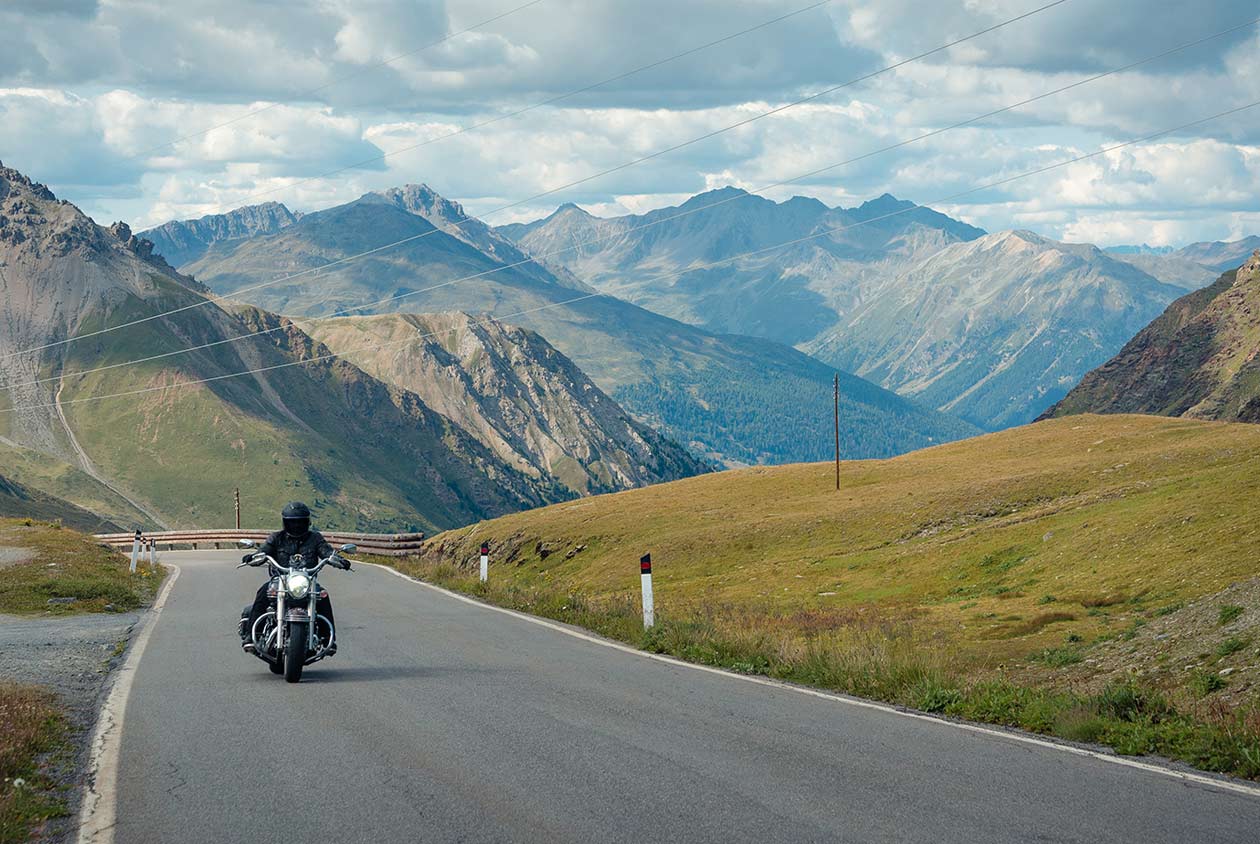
[443,721]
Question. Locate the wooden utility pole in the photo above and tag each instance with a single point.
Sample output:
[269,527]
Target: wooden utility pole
[837,403]
[236,498]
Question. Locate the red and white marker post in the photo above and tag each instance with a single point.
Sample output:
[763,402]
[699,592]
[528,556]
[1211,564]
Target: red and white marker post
[645,577]
[485,562]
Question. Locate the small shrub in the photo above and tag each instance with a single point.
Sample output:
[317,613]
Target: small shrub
[1203,683]
[1047,599]
[1130,702]
[1233,644]
[1228,613]
[1168,609]
[997,702]
[932,696]
[1080,723]
[1059,657]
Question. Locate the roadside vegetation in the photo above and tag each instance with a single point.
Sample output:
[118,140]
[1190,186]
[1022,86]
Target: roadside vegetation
[43,566]
[31,727]
[1081,578]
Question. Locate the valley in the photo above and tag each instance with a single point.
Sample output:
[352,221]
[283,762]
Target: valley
[729,398]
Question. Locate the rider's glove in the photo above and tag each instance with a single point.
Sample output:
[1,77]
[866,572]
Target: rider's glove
[345,564]
[248,558]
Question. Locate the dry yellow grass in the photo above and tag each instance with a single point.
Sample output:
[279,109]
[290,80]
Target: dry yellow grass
[991,548]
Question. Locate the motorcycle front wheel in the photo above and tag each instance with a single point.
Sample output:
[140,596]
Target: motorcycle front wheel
[295,653]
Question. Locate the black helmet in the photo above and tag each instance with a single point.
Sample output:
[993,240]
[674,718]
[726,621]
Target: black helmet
[297,518]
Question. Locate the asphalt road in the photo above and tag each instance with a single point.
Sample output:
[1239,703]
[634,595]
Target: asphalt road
[441,721]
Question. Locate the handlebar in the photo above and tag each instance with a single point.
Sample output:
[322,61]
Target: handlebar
[267,558]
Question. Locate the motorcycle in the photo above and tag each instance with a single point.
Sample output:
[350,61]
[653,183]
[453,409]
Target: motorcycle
[293,634]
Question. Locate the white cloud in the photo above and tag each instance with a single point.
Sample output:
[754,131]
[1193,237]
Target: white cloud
[80,108]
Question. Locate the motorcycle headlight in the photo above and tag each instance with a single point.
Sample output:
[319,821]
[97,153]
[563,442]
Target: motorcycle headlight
[298,585]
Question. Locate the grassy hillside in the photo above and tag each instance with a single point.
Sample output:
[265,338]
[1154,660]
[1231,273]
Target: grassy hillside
[49,476]
[930,577]
[363,455]
[20,501]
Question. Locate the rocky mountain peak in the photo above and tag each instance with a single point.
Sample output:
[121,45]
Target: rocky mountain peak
[885,203]
[718,195]
[12,181]
[423,201]
[182,242]
[38,225]
[1251,269]
[570,209]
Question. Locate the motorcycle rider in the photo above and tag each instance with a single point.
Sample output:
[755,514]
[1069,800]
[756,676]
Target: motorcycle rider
[295,538]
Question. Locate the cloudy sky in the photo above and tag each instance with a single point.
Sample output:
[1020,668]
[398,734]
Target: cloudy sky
[123,106]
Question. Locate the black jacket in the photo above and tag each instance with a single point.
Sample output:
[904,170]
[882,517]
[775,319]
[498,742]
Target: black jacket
[313,548]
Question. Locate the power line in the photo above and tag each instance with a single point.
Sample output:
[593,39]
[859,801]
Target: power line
[541,104]
[665,151]
[621,234]
[449,226]
[709,265]
[359,72]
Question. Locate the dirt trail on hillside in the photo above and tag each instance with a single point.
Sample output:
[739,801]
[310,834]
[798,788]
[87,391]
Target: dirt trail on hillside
[89,468]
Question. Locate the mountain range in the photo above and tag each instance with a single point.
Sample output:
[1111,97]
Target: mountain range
[730,398]
[989,327]
[188,428]
[1198,359]
[183,241]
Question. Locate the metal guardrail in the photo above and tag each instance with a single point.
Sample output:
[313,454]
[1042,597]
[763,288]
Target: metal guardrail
[384,544]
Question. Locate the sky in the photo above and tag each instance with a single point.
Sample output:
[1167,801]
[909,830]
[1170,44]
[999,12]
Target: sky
[143,110]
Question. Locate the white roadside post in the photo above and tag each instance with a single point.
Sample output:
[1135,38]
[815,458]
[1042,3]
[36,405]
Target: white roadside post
[645,577]
[485,561]
[152,553]
[135,550]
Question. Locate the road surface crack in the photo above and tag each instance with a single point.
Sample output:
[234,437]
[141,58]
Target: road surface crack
[172,773]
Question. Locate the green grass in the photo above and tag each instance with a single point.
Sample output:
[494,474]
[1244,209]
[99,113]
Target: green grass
[69,564]
[1228,613]
[30,726]
[1203,683]
[1059,657]
[1232,645]
[923,581]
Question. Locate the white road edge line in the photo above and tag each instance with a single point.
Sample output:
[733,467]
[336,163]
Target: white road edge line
[100,797]
[1024,738]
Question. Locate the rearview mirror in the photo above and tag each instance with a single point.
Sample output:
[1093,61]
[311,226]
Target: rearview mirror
[349,548]
[245,543]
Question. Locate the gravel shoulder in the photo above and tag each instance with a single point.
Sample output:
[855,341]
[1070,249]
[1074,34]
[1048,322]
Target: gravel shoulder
[73,656]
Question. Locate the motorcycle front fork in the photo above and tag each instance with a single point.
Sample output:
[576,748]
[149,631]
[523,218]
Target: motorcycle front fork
[312,632]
